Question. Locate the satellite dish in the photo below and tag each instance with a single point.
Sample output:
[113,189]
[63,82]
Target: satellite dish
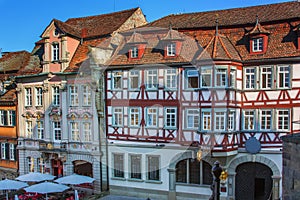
[253,145]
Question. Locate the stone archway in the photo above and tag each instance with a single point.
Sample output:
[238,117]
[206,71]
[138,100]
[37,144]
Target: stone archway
[172,169]
[232,166]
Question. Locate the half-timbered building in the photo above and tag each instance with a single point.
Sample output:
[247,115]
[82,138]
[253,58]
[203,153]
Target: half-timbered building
[189,89]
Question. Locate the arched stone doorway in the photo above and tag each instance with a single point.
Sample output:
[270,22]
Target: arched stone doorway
[253,181]
[232,166]
[82,167]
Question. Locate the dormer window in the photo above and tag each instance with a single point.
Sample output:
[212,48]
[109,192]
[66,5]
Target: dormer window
[258,39]
[55,52]
[134,52]
[171,49]
[257,44]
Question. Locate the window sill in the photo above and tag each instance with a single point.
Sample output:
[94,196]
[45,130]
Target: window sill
[170,128]
[153,181]
[118,178]
[135,180]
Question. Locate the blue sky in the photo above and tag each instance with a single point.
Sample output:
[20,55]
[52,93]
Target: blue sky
[22,22]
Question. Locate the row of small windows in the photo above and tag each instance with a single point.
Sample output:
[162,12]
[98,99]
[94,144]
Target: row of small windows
[39,162]
[170,51]
[193,80]
[254,78]
[135,171]
[134,116]
[7,117]
[267,77]
[79,131]
[78,95]
[205,119]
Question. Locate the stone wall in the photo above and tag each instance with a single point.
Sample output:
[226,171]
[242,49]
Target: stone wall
[291,167]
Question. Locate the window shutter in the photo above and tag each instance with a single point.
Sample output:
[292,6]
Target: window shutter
[7,151]
[15,152]
[13,118]
[5,117]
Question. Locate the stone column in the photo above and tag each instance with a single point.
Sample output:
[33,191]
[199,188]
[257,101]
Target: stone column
[64,53]
[172,186]
[46,57]
[276,187]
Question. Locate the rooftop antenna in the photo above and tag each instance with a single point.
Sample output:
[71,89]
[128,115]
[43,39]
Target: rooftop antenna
[257,21]
[0,52]
[217,25]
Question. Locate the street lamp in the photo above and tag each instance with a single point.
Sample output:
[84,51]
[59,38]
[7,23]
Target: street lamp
[216,170]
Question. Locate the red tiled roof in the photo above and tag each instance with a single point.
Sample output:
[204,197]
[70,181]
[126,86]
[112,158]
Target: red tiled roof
[81,54]
[96,25]
[219,48]
[231,17]
[8,96]
[14,61]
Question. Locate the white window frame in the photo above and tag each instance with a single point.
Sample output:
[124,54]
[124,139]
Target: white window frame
[170,79]
[28,97]
[206,77]
[57,134]
[11,151]
[265,119]
[134,52]
[11,115]
[3,150]
[283,76]
[117,80]
[40,129]
[283,119]
[86,95]
[74,130]
[120,166]
[171,49]
[28,129]
[192,118]
[152,79]
[170,117]
[87,131]
[191,74]
[221,77]
[135,169]
[55,52]
[231,120]
[257,44]
[266,77]
[220,120]
[134,118]
[73,94]
[41,163]
[206,120]
[134,78]
[153,167]
[39,96]
[249,116]
[250,78]
[232,78]
[56,95]
[2,117]
[151,117]
[117,116]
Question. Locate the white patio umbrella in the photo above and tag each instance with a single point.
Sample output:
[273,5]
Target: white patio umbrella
[74,179]
[35,177]
[46,188]
[11,185]
[16,197]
